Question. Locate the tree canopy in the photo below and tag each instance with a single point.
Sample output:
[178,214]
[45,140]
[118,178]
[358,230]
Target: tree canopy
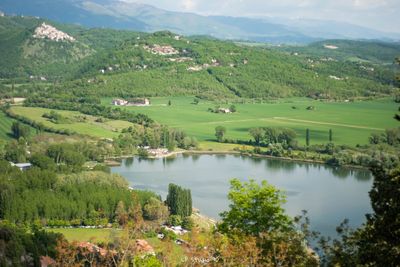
[254,209]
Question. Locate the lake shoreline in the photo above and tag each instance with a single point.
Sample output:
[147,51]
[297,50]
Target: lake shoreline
[111,161]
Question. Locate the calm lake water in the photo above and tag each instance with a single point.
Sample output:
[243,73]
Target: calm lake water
[328,194]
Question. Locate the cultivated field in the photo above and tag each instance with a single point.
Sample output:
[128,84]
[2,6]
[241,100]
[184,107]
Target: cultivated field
[352,123]
[79,123]
[5,126]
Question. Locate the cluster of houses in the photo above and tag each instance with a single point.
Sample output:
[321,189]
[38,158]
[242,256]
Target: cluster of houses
[139,102]
[214,63]
[46,31]
[164,50]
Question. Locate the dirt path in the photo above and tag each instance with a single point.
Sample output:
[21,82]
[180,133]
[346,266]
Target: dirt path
[330,123]
[285,119]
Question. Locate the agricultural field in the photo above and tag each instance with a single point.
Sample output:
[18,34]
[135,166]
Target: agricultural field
[76,121]
[5,126]
[351,122]
[83,234]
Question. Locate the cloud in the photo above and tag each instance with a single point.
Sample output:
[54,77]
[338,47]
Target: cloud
[189,5]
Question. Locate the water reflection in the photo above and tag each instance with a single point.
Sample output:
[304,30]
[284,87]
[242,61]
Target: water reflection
[329,194]
[128,162]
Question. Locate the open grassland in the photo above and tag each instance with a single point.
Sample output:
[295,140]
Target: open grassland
[351,122]
[83,234]
[77,122]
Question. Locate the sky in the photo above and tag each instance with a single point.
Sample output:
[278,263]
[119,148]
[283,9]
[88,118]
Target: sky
[383,15]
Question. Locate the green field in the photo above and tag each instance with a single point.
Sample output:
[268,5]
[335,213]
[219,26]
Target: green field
[83,235]
[5,126]
[352,122]
[86,126]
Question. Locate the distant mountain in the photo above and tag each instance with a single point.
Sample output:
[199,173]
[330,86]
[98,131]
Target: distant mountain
[133,16]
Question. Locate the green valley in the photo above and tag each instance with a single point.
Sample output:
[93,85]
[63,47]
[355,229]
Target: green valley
[195,119]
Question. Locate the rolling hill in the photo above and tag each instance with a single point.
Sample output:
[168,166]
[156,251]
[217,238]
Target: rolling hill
[140,17]
[104,62]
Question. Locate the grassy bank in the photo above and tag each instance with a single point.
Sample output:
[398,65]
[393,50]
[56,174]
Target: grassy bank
[74,121]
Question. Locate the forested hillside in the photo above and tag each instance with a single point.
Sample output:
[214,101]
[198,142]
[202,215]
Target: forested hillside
[122,63]
[358,51]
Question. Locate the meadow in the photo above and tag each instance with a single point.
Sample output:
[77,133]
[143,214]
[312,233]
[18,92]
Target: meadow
[83,234]
[78,122]
[5,126]
[351,122]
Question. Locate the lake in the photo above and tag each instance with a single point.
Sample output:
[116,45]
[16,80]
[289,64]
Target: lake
[328,194]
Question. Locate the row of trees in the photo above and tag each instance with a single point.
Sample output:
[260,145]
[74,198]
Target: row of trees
[269,135]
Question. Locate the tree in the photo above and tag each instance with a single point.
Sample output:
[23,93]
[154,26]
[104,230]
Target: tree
[121,216]
[257,134]
[232,108]
[308,137]
[155,210]
[169,103]
[219,133]
[179,201]
[379,244]
[18,130]
[330,135]
[43,162]
[254,209]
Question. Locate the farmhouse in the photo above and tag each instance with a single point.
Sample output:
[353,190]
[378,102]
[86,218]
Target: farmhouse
[119,102]
[224,110]
[22,166]
[139,102]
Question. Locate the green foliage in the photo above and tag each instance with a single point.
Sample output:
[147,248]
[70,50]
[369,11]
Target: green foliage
[19,130]
[16,151]
[226,70]
[147,261]
[188,223]
[219,133]
[55,117]
[24,248]
[179,201]
[43,162]
[155,210]
[307,137]
[254,209]
[379,243]
[41,195]
[270,136]
[174,220]
[390,137]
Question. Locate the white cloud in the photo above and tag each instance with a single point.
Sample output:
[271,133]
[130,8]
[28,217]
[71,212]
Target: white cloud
[189,5]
